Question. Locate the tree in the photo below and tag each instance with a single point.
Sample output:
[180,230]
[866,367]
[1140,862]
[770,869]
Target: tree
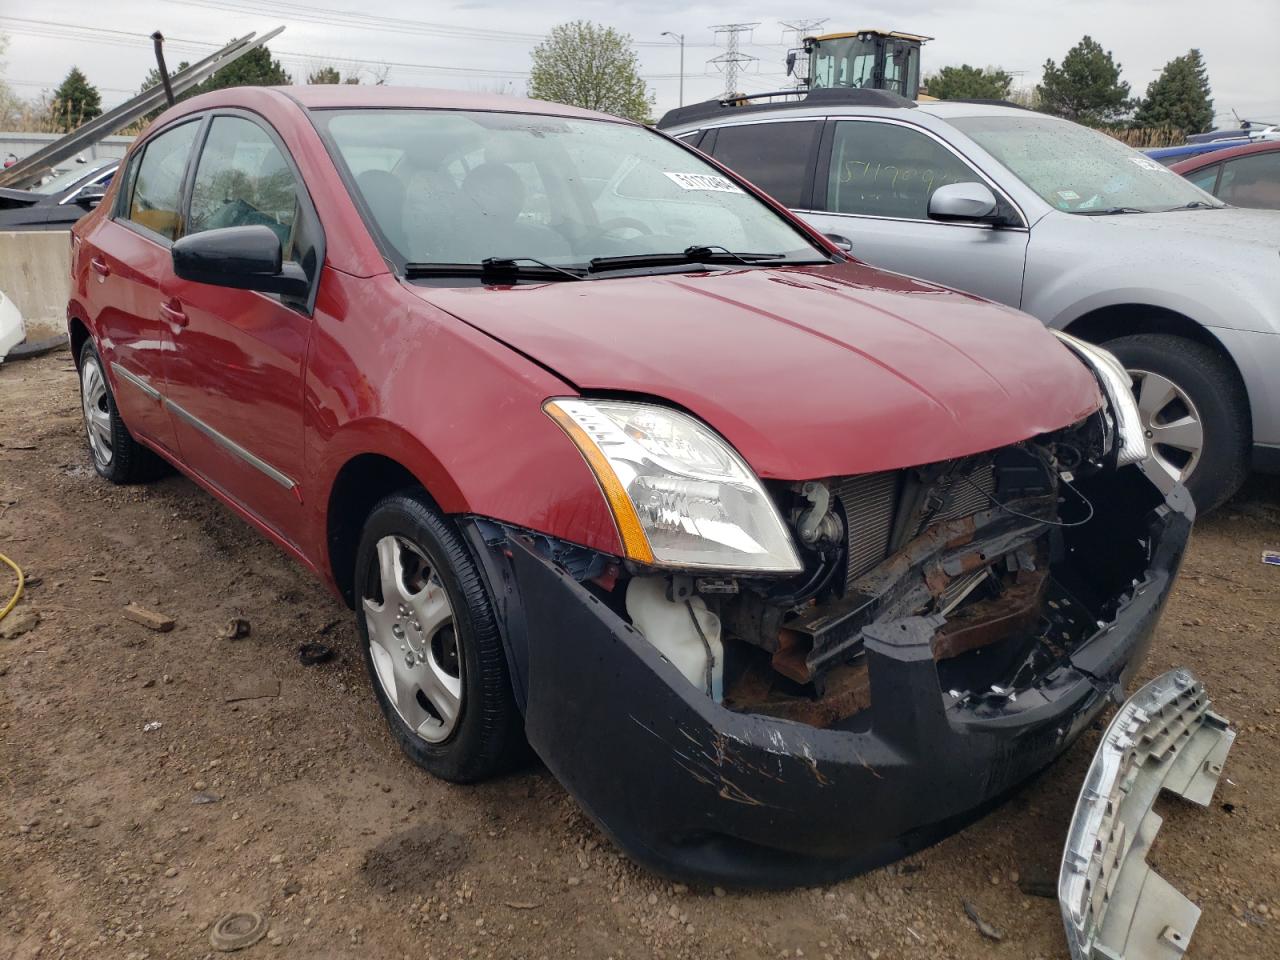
[970,83]
[1179,98]
[330,74]
[10,105]
[75,101]
[325,75]
[587,65]
[1087,87]
[255,69]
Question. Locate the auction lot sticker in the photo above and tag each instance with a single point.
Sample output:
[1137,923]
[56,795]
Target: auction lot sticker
[703,181]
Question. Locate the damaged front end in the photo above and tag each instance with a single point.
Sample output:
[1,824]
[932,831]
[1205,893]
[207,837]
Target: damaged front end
[953,628]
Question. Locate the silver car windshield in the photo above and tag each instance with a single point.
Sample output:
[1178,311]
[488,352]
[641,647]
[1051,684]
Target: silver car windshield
[70,177]
[455,187]
[1079,170]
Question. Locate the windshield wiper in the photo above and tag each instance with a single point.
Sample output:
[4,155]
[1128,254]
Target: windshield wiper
[696,254]
[1197,205]
[497,270]
[1110,211]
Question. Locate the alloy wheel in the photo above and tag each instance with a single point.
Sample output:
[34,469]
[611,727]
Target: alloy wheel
[1171,422]
[97,412]
[413,640]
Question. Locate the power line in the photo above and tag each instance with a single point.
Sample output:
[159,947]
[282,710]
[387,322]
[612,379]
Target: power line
[329,16]
[731,61]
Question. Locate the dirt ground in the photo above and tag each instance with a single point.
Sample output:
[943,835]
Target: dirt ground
[111,735]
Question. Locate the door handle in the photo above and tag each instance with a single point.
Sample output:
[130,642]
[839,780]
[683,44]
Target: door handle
[173,312]
[843,242]
[100,267]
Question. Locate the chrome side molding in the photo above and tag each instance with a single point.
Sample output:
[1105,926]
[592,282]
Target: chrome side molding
[213,434]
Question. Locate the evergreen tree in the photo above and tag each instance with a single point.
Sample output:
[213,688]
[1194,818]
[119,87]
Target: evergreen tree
[970,83]
[1087,87]
[76,101]
[1179,98]
[325,75]
[255,69]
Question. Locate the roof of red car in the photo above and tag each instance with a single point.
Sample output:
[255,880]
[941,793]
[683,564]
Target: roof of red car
[321,95]
[1217,156]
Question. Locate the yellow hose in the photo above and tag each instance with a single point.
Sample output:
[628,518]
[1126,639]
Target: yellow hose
[13,601]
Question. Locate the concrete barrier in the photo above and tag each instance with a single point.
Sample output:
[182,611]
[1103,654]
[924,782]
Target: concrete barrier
[35,268]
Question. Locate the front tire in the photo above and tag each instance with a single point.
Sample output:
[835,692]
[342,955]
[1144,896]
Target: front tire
[1194,410]
[431,644]
[116,455]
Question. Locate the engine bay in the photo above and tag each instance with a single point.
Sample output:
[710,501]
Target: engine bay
[1013,557]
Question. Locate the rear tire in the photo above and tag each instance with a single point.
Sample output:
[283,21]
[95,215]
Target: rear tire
[116,455]
[1178,383]
[431,644]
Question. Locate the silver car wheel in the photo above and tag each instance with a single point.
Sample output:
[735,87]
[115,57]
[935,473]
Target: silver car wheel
[97,414]
[413,641]
[1172,424]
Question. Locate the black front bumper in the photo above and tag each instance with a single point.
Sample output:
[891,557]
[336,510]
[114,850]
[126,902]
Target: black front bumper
[691,789]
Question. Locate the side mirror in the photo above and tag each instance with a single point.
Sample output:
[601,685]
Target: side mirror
[791,62]
[91,195]
[964,203]
[246,258]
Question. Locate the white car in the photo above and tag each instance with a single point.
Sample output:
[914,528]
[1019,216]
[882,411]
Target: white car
[12,330]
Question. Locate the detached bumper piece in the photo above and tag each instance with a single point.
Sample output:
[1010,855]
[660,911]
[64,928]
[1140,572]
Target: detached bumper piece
[1114,906]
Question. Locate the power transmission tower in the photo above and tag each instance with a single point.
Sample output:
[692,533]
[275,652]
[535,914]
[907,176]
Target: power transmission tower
[801,28]
[731,61]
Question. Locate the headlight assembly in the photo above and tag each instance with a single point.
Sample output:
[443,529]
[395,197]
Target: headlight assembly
[680,495]
[1117,386]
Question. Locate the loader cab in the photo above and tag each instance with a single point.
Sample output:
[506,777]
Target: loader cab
[865,59]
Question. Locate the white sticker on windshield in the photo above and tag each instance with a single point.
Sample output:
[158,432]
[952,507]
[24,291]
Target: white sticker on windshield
[1146,164]
[703,181]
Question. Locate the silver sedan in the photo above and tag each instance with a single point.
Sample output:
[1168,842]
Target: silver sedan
[1058,220]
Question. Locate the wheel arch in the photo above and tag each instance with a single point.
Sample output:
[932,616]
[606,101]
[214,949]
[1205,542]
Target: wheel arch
[1127,319]
[77,333]
[362,481]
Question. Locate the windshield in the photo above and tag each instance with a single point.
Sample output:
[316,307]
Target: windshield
[70,177]
[459,188]
[1079,170]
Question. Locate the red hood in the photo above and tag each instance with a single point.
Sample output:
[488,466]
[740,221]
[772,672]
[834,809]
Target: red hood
[808,372]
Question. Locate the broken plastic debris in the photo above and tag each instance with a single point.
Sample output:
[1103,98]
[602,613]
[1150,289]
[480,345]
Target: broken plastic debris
[984,928]
[151,725]
[1272,557]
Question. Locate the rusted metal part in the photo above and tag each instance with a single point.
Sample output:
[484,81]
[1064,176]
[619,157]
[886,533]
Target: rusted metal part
[907,582]
[846,691]
[791,659]
[983,623]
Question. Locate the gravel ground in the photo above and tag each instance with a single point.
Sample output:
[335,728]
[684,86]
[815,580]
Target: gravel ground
[112,735]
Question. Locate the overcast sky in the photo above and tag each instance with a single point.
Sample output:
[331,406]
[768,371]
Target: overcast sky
[484,44]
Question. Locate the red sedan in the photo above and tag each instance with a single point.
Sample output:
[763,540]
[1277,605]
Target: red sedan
[784,565]
[1244,176]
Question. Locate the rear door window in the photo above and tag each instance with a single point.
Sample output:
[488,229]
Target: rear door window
[777,157]
[155,193]
[889,170]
